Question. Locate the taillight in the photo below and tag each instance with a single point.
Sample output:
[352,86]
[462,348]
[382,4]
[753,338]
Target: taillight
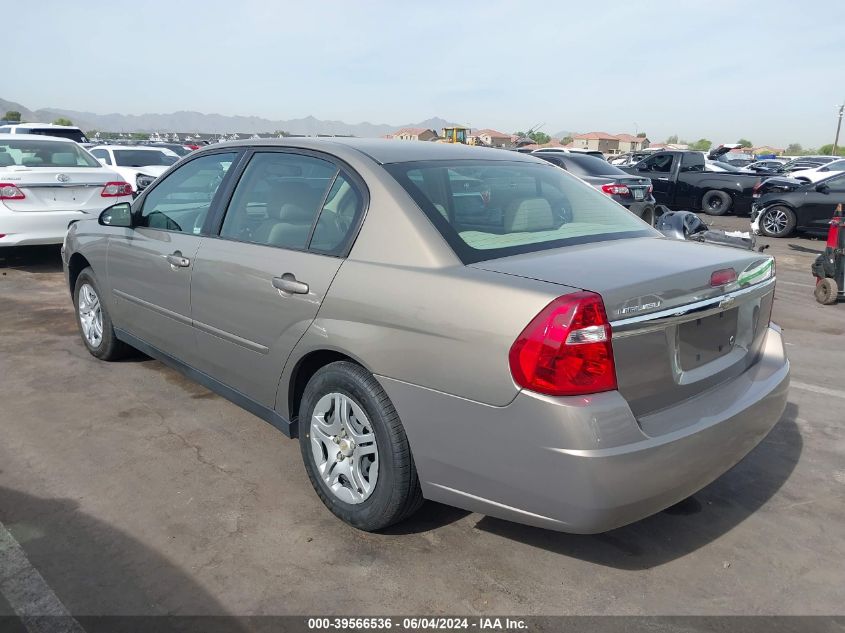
[722,277]
[566,350]
[615,189]
[755,190]
[650,189]
[115,189]
[9,191]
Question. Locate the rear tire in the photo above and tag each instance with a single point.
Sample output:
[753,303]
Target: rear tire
[776,221]
[827,291]
[347,427]
[94,321]
[716,203]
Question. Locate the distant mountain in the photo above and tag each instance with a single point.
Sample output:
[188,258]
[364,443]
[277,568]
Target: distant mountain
[189,121]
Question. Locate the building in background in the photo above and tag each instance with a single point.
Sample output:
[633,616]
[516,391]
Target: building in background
[492,138]
[413,134]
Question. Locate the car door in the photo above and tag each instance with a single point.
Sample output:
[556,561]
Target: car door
[258,284]
[150,266]
[658,167]
[818,206]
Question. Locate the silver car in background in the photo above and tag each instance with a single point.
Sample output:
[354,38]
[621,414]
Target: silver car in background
[467,325]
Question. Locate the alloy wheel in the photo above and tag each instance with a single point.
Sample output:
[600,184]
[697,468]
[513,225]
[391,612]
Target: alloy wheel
[775,221]
[90,315]
[344,448]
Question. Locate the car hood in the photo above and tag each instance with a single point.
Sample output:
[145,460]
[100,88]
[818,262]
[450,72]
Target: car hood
[633,276]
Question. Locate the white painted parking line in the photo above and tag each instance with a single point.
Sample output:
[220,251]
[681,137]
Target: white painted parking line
[28,593]
[836,393]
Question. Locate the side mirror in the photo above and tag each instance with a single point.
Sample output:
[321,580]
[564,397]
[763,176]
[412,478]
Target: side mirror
[822,188]
[119,214]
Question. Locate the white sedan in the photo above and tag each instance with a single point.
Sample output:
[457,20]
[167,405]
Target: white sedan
[821,172]
[48,182]
[135,162]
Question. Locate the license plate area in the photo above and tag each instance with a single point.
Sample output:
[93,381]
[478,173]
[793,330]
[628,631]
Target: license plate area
[704,340]
[638,194]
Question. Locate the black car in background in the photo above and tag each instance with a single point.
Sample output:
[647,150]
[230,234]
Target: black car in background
[807,207]
[632,192]
[177,148]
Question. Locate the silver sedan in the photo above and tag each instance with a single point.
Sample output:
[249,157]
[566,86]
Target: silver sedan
[472,326]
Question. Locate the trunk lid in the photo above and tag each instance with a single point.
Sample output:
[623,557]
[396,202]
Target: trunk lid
[674,335]
[59,189]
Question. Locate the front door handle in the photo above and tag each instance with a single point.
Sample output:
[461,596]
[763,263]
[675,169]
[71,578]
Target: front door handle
[288,283]
[176,260]
[663,179]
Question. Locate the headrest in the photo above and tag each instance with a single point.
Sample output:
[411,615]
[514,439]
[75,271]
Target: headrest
[65,159]
[531,214]
[295,214]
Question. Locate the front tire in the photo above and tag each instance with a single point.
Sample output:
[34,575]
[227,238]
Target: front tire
[355,449]
[777,221]
[716,203]
[93,319]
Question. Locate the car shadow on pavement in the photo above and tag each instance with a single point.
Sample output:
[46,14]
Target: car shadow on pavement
[430,516]
[32,259]
[686,526]
[95,569]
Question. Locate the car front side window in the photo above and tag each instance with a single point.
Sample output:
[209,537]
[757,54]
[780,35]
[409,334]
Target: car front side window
[182,200]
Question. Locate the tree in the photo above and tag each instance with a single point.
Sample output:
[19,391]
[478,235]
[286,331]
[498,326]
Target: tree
[702,145]
[538,137]
[62,121]
[744,142]
[566,140]
[13,116]
[672,139]
[794,149]
[641,135]
[827,150]
[281,133]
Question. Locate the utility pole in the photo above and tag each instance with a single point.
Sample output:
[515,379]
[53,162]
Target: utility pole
[838,126]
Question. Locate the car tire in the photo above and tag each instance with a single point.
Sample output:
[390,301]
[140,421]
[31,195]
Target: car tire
[648,215]
[94,321]
[716,203]
[827,291]
[776,221]
[368,420]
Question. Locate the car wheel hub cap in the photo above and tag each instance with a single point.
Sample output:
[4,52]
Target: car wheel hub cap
[775,221]
[90,315]
[344,448]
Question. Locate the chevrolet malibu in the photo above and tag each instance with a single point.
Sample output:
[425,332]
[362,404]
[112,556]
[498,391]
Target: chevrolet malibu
[461,324]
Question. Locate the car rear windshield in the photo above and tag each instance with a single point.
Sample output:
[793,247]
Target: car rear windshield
[491,209]
[142,157]
[46,153]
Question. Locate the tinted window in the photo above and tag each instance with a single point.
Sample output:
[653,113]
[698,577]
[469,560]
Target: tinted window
[587,165]
[692,161]
[837,183]
[181,201]
[141,158]
[70,133]
[488,209]
[46,153]
[277,199]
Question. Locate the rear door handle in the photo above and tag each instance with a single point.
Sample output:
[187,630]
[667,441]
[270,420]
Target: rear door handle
[176,260]
[288,283]
[664,179]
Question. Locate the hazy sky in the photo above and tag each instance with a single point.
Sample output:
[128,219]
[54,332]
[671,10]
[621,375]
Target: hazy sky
[770,71]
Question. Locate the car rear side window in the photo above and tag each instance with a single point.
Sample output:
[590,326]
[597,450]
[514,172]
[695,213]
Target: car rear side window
[181,201]
[489,209]
[277,199]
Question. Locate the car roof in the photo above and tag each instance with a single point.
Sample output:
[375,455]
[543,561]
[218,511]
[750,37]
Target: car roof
[34,137]
[385,151]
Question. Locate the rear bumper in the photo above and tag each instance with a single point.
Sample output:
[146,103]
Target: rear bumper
[37,227]
[584,464]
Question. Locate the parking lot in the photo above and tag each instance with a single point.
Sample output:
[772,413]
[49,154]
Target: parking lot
[133,490]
